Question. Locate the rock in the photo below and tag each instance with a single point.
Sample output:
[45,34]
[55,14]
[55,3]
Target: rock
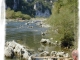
[15,49]
[46,26]
[30,58]
[9,53]
[45,53]
[31,51]
[30,26]
[53,53]
[42,33]
[60,54]
[40,50]
[66,55]
[49,59]
[45,41]
[18,50]
[11,44]
[7,44]
[25,55]
[26,23]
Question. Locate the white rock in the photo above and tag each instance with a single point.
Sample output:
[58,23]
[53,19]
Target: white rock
[25,55]
[53,53]
[29,58]
[18,50]
[60,54]
[11,44]
[8,52]
[45,53]
[45,41]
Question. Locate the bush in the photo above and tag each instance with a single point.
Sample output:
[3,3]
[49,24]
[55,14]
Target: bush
[67,41]
[64,20]
[18,14]
[26,17]
[10,14]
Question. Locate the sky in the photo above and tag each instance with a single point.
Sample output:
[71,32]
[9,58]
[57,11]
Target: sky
[2,29]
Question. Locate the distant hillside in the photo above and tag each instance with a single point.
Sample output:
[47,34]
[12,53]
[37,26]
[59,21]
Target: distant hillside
[64,20]
[41,8]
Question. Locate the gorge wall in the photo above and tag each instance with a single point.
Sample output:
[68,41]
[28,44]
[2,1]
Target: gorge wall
[35,8]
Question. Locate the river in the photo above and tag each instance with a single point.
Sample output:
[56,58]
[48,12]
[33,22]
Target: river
[27,33]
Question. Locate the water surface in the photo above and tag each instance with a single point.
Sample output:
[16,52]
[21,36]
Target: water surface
[27,33]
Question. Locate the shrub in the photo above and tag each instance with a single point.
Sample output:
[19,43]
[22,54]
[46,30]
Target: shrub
[67,41]
[10,14]
[18,14]
[64,20]
[25,16]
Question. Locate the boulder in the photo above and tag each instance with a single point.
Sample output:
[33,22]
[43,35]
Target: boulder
[11,44]
[45,41]
[45,53]
[53,53]
[25,55]
[8,52]
[19,49]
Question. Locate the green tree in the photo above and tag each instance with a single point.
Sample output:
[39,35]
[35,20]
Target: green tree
[18,14]
[25,16]
[10,13]
[64,19]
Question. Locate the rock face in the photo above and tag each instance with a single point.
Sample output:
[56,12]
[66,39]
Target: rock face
[15,5]
[41,14]
[32,7]
[28,0]
[38,7]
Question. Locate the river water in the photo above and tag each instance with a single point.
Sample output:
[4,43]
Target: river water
[27,33]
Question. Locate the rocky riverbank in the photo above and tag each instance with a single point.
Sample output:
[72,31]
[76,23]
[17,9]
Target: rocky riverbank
[14,49]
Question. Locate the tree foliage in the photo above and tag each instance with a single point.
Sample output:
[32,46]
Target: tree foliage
[64,19]
[11,14]
[28,7]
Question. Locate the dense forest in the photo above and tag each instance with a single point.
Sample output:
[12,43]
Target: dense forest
[64,20]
